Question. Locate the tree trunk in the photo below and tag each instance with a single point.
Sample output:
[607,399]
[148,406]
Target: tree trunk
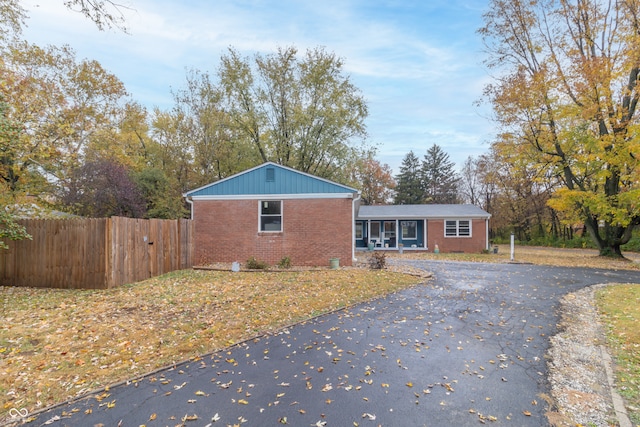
[611,250]
[609,245]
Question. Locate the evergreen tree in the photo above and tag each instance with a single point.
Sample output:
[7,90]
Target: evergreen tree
[439,179]
[409,186]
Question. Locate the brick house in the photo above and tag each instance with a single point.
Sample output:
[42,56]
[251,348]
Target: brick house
[453,228]
[271,211]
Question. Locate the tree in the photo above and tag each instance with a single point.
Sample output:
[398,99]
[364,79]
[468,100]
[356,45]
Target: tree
[302,113]
[409,189]
[124,137]
[471,181]
[374,180]
[9,138]
[218,148]
[12,17]
[439,179]
[64,107]
[9,144]
[10,229]
[106,14]
[566,100]
[103,188]
[161,196]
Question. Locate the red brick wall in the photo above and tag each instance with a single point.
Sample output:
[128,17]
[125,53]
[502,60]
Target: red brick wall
[314,230]
[474,244]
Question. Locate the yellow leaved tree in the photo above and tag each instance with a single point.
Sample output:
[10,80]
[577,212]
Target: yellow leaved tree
[565,96]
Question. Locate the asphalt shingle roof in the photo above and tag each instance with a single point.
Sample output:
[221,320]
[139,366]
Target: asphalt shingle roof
[421,211]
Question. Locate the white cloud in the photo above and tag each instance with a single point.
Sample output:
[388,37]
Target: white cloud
[418,63]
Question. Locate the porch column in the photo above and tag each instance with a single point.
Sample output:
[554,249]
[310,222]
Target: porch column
[424,231]
[486,233]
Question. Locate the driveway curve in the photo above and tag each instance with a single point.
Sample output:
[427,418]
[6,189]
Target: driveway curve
[466,347]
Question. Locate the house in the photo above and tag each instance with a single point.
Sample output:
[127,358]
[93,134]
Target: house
[453,228]
[272,211]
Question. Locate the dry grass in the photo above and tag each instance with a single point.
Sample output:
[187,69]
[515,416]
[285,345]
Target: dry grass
[57,344]
[620,308]
[542,256]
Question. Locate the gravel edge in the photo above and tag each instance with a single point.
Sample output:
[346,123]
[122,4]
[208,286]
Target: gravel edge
[580,372]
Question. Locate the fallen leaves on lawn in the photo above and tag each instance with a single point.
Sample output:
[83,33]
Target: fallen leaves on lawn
[64,343]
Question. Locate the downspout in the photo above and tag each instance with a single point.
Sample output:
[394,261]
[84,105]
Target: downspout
[353,227]
[190,201]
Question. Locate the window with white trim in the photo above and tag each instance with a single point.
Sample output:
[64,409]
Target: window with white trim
[409,230]
[359,230]
[271,215]
[457,228]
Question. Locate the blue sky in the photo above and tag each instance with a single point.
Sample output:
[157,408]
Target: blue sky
[418,63]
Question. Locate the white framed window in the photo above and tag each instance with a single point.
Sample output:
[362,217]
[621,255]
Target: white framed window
[409,230]
[457,228]
[359,230]
[271,215]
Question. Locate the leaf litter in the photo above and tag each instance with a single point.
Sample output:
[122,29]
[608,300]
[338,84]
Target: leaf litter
[60,344]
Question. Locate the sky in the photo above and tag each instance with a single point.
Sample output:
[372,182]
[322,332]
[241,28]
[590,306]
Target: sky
[418,63]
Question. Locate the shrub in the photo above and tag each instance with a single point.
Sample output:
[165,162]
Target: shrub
[254,264]
[378,261]
[285,262]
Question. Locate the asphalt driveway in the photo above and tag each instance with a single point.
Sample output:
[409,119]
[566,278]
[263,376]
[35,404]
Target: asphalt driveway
[465,348]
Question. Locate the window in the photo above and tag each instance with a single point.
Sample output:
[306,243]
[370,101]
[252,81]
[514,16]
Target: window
[271,215]
[409,230]
[359,234]
[457,228]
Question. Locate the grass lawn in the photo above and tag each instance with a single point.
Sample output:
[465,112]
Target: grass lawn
[543,256]
[619,307]
[57,344]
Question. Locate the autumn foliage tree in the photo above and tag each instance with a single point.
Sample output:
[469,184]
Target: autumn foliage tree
[65,107]
[300,111]
[103,188]
[566,97]
[374,180]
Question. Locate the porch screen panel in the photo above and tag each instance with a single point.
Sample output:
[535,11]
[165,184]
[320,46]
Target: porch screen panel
[375,230]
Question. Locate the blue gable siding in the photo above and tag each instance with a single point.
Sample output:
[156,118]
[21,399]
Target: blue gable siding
[270,179]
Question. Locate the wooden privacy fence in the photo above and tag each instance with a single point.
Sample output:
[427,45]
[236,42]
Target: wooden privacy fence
[96,253]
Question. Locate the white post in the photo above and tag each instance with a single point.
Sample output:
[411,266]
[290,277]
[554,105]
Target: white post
[512,246]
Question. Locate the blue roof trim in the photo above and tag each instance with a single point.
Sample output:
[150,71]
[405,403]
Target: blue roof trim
[279,180]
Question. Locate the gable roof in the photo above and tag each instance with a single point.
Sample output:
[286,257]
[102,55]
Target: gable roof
[271,179]
[420,211]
